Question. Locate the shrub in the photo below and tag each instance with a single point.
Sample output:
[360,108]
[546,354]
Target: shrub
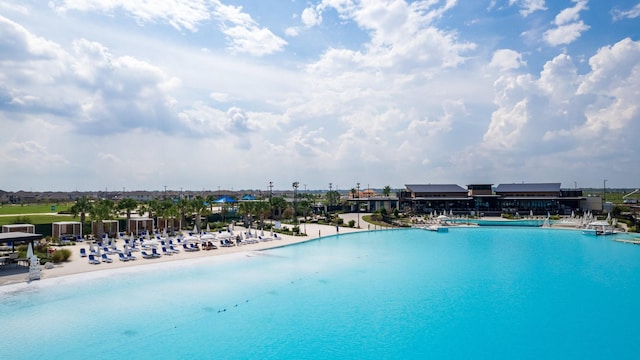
[352,223]
[61,255]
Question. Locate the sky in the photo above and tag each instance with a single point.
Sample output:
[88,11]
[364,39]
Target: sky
[218,94]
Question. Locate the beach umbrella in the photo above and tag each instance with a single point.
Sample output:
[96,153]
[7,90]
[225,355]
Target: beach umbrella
[29,251]
[573,214]
[531,213]
[208,228]
[608,216]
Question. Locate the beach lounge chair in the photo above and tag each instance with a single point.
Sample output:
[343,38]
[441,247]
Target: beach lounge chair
[106,250]
[83,252]
[122,257]
[165,251]
[155,253]
[106,259]
[146,255]
[93,260]
[275,236]
[130,256]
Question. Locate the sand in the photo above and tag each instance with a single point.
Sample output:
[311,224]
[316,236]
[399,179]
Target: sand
[77,264]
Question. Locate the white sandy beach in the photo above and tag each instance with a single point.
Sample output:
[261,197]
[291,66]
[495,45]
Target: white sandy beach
[78,264]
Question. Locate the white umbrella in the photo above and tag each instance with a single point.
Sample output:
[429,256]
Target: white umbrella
[608,216]
[531,213]
[208,228]
[29,251]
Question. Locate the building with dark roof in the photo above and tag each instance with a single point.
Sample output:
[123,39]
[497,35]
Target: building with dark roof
[523,198]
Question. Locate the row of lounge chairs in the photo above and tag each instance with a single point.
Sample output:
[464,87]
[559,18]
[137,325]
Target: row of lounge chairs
[149,251]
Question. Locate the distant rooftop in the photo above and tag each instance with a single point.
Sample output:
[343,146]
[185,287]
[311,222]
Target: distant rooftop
[436,188]
[530,187]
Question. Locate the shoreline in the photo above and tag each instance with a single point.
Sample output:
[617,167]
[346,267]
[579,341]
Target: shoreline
[77,264]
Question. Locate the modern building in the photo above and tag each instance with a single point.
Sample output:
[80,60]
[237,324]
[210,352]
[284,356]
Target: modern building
[522,198]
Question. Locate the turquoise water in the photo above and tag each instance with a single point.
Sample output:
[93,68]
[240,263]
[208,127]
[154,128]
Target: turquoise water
[399,294]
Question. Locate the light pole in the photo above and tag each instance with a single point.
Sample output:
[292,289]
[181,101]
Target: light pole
[270,201]
[604,194]
[358,203]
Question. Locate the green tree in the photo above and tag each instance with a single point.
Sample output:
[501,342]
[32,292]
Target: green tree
[278,204]
[127,206]
[332,197]
[182,208]
[386,190]
[82,207]
[102,210]
[262,209]
[246,209]
[198,208]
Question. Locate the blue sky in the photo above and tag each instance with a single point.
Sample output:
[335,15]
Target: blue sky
[198,94]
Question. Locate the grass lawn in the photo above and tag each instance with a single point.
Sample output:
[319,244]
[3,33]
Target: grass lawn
[36,219]
[33,208]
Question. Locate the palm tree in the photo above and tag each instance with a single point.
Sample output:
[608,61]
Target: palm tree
[81,207]
[332,197]
[263,209]
[386,191]
[173,212]
[127,205]
[182,207]
[246,209]
[102,210]
[278,204]
[198,207]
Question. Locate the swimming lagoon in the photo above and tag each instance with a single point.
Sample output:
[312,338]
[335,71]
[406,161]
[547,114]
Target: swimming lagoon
[393,294]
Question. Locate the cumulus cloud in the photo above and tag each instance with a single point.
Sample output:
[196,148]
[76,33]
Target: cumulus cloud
[528,7]
[569,27]
[310,17]
[506,59]
[99,92]
[245,35]
[566,113]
